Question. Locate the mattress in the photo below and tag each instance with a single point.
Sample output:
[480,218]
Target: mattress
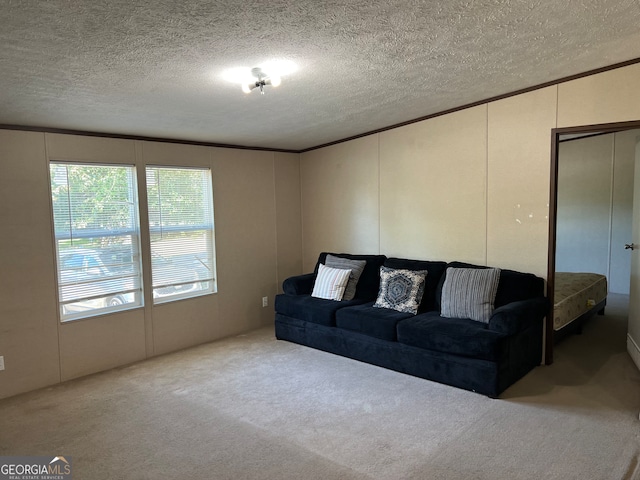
[575,294]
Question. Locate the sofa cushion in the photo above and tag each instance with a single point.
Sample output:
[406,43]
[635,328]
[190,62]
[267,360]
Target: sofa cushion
[436,271]
[516,317]
[470,293]
[330,283]
[367,287]
[374,322]
[311,309]
[512,287]
[356,267]
[401,289]
[458,336]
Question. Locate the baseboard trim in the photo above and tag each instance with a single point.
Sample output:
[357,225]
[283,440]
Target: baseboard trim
[634,350]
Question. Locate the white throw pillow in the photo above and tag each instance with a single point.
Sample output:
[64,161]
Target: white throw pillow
[356,266]
[330,283]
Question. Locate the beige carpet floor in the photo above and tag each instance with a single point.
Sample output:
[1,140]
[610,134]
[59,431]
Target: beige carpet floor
[252,407]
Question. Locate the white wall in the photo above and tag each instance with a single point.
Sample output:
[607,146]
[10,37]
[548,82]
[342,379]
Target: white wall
[471,185]
[258,242]
[519,152]
[622,216]
[595,202]
[633,337]
[419,170]
[340,199]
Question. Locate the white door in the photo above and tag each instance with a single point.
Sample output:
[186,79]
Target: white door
[633,338]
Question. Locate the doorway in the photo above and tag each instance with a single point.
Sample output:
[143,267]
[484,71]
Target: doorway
[558,135]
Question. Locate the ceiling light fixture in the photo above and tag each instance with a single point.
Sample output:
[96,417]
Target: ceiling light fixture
[261,79]
[266,73]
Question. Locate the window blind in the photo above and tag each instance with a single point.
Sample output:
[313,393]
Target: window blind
[96,223]
[180,203]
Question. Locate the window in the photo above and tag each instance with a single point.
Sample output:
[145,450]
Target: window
[97,232]
[180,205]
[96,223]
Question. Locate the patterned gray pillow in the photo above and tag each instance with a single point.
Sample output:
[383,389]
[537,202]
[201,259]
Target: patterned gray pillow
[356,267]
[401,289]
[470,293]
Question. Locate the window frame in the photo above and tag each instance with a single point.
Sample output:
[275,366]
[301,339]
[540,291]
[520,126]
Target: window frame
[141,234]
[207,227]
[87,254]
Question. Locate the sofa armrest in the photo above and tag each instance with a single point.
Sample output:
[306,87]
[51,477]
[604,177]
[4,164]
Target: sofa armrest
[517,316]
[299,285]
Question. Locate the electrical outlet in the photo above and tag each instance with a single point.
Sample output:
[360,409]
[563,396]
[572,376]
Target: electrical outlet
[2,363]
[265,301]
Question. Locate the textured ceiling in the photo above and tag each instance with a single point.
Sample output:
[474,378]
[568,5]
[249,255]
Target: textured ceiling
[154,68]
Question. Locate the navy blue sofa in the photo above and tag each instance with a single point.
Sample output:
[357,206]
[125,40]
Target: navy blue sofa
[464,353]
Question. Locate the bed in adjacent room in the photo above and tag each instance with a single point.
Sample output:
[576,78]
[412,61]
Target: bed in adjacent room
[577,296]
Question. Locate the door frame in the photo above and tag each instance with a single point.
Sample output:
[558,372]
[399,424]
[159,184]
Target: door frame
[553,211]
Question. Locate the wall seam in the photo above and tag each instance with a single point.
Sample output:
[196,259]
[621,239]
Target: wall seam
[302,252]
[379,199]
[557,103]
[486,191]
[55,256]
[612,178]
[145,246]
[275,208]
